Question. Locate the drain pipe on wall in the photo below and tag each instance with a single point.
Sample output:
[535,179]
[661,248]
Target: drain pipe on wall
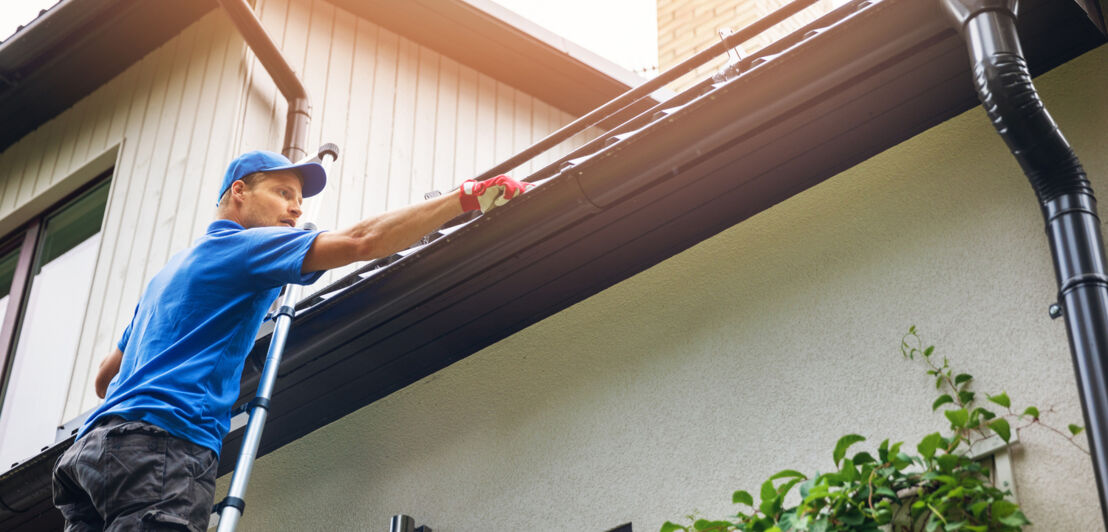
[300,110]
[1065,196]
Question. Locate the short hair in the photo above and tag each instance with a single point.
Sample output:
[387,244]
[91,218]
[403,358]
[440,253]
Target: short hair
[249,180]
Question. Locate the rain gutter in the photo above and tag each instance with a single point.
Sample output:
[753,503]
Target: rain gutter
[1004,87]
[299,108]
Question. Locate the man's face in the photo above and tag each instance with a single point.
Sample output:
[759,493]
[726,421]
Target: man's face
[273,201]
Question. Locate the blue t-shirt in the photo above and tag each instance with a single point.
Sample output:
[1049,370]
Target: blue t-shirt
[184,350]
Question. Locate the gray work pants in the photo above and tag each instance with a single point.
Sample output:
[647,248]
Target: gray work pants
[131,475]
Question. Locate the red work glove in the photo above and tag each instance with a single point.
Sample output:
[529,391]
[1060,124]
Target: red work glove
[490,193]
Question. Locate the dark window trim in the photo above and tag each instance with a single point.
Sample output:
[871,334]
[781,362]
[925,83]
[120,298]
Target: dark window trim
[17,298]
[21,283]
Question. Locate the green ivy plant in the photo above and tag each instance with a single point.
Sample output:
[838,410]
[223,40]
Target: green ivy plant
[938,488]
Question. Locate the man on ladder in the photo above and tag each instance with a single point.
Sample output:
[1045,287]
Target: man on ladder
[147,457]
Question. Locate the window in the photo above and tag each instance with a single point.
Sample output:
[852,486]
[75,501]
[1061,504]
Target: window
[45,274]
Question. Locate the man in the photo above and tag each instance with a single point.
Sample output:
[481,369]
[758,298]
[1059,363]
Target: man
[147,457]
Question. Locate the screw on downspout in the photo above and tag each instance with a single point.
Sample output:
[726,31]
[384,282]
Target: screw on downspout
[1055,311]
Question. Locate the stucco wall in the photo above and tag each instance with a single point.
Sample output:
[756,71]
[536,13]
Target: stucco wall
[749,353]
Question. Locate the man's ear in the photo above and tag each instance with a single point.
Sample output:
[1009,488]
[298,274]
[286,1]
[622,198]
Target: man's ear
[238,188]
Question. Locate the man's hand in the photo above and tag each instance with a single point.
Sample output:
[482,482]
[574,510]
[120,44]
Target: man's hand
[491,193]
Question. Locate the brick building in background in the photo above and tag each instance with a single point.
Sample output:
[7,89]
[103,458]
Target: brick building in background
[687,27]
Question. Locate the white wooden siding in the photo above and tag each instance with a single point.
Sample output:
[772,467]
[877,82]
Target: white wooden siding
[408,121]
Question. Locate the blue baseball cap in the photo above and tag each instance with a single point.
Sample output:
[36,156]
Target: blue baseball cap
[312,176]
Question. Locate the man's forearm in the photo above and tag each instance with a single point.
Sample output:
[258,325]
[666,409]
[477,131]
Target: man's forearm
[395,230]
[386,233]
[380,235]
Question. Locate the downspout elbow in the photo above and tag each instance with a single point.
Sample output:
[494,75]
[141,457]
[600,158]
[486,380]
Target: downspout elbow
[1003,83]
[299,107]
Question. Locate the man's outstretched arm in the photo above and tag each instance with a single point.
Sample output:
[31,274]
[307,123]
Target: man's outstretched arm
[109,367]
[386,233]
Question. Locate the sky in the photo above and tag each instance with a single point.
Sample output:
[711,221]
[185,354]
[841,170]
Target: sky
[623,31]
[14,13]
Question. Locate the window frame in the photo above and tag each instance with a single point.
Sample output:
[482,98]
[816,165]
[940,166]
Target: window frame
[26,238]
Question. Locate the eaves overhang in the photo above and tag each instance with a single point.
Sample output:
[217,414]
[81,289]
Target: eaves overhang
[848,86]
[75,47]
[78,45]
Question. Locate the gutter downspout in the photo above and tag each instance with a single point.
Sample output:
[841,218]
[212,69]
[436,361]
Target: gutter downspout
[300,109]
[1065,196]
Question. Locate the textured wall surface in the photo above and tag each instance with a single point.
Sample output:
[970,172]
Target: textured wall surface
[408,120]
[748,353]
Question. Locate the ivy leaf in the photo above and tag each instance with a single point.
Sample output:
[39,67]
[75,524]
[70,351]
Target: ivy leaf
[863,458]
[1001,399]
[771,506]
[806,487]
[1031,411]
[769,492]
[901,461]
[958,418]
[818,491]
[790,521]
[852,516]
[929,444]
[1003,508]
[1016,519]
[671,527]
[849,474]
[1001,428]
[784,488]
[947,462]
[844,443]
[888,492]
[788,473]
[966,397]
[962,377]
[743,497]
[1076,429]
[987,414]
[942,400]
[930,349]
